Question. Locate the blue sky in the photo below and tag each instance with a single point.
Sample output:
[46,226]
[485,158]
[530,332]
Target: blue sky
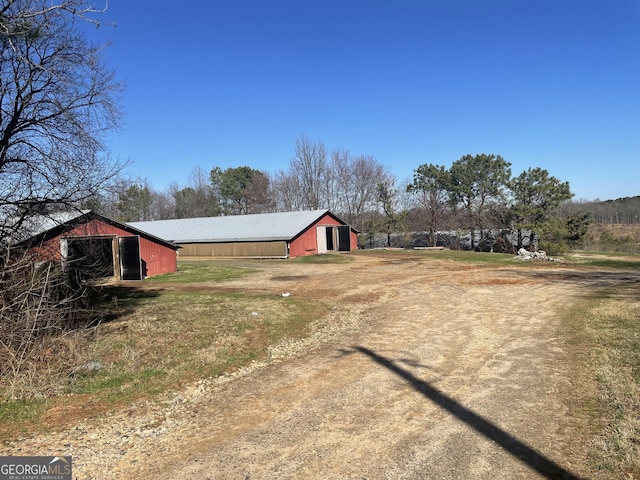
[546,83]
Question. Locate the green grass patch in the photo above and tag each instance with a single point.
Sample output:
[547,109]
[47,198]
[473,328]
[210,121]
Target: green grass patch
[597,260]
[115,384]
[326,258]
[277,327]
[20,416]
[198,271]
[21,410]
[229,361]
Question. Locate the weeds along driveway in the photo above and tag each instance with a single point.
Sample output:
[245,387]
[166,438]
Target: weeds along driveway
[423,369]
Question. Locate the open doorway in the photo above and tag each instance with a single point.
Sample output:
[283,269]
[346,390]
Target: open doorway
[130,261]
[92,258]
[89,258]
[344,238]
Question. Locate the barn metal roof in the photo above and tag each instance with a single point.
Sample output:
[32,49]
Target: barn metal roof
[38,224]
[41,224]
[261,227]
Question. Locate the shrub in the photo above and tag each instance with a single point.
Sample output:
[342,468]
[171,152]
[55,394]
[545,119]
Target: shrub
[38,302]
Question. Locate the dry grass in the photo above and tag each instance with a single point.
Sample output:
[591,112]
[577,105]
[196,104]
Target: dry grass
[606,346]
[613,238]
[615,328]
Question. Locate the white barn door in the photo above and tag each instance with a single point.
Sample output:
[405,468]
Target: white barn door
[321,238]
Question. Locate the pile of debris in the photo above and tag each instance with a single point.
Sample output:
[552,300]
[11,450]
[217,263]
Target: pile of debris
[540,255]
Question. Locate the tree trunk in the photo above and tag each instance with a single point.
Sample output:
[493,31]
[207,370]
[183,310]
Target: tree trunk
[519,238]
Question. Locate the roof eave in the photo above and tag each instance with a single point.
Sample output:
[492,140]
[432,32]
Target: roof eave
[235,240]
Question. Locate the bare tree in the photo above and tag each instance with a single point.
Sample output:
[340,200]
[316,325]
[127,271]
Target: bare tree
[357,179]
[345,184]
[285,192]
[340,181]
[163,205]
[57,102]
[624,210]
[15,14]
[310,170]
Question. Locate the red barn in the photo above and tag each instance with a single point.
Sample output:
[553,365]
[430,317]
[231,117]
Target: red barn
[265,235]
[115,249]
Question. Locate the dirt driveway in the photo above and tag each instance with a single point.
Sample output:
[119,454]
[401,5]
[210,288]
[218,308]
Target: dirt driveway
[425,369]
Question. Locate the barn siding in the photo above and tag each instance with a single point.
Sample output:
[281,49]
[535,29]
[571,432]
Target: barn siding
[276,249]
[157,257]
[354,240]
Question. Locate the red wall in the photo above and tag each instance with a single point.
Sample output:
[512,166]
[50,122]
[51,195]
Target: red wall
[307,244]
[354,240]
[158,258]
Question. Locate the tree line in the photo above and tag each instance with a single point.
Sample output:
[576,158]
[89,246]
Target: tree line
[476,193]
[619,211]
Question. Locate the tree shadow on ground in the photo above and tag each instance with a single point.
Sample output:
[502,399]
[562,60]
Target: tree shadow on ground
[112,302]
[532,458]
[590,280]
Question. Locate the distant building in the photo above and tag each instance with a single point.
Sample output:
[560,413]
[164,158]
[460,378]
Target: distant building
[267,235]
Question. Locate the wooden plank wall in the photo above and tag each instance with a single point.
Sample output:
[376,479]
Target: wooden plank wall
[241,249]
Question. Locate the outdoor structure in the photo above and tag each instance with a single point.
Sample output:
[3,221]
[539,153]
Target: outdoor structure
[103,246]
[266,235]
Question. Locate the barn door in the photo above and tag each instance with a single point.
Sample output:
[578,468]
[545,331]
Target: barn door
[130,262]
[330,243]
[344,238]
[321,236]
